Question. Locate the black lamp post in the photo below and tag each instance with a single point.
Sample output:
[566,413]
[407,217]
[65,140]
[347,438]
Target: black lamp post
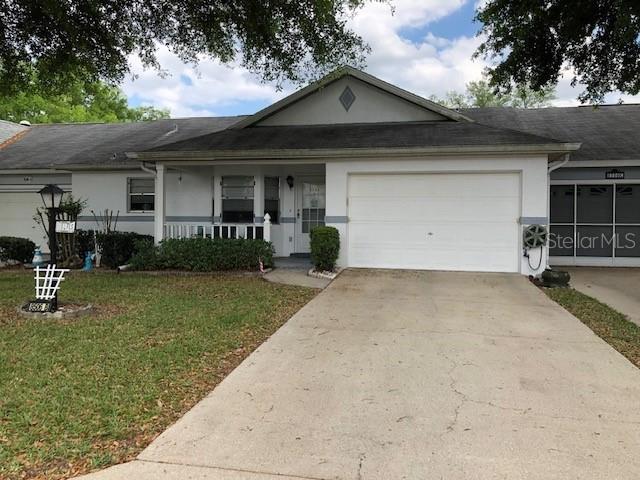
[51,198]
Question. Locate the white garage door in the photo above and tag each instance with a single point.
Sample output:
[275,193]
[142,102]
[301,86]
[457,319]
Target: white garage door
[461,221]
[16,216]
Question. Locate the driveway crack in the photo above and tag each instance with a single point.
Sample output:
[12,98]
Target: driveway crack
[360,462]
[452,386]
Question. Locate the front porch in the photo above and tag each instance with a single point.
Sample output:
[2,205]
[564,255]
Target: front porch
[277,203]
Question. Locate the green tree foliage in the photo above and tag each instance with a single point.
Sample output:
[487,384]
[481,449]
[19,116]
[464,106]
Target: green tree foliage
[78,102]
[526,97]
[93,39]
[533,42]
[481,94]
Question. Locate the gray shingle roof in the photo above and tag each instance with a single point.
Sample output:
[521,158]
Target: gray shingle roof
[346,136]
[100,144]
[608,132]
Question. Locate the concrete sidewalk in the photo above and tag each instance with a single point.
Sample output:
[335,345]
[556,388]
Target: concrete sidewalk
[617,287]
[414,375]
[293,271]
[294,276]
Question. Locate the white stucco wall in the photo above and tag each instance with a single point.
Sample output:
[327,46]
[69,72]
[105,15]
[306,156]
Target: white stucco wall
[371,105]
[192,193]
[532,169]
[108,190]
[190,190]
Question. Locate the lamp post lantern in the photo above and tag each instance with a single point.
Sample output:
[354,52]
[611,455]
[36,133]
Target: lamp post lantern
[51,198]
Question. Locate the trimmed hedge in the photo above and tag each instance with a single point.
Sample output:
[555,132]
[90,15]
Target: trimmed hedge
[16,249]
[203,255]
[117,248]
[325,247]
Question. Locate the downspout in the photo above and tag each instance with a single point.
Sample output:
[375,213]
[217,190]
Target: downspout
[558,163]
[144,167]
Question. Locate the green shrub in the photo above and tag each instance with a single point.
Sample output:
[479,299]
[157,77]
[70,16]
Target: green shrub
[117,248]
[203,255]
[17,249]
[325,247]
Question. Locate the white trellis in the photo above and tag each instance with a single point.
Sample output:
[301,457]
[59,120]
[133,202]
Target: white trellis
[48,281]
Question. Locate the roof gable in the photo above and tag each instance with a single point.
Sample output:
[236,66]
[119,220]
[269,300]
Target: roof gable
[350,96]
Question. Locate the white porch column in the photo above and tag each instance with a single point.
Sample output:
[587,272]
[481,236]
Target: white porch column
[288,213]
[217,198]
[159,211]
[258,198]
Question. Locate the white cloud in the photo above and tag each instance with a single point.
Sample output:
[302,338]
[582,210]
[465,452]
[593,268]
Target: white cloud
[434,65]
[213,86]
[405,13]
[567,96]
[429,66]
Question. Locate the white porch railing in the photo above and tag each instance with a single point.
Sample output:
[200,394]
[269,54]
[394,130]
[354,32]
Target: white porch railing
[220,230]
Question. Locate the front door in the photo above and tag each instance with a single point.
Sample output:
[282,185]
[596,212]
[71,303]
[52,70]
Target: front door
[310,210]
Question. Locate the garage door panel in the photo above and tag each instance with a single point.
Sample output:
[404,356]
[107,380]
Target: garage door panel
[408,185]
[442,235]
[478,259]
[434,221]
[440,209]
[16,216]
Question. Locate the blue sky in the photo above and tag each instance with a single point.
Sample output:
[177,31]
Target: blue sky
[458,23]
[425,46]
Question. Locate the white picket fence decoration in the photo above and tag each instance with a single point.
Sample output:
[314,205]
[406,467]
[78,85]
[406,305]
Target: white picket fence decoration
[48,283]
[220,230]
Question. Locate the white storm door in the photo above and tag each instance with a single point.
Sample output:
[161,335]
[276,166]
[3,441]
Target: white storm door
[310,210]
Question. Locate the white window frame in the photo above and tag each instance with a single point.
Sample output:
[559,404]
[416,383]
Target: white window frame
[129,195]
[223,198]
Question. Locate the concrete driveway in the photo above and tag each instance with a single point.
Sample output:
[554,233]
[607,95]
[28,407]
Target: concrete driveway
[617,287]
[414,375]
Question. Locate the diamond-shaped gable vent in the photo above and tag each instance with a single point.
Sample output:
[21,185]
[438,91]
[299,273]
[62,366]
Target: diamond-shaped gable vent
[347,98]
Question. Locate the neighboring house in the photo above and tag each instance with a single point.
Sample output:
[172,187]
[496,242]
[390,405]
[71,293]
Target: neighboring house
[407,182]
[17,199]
[56,153]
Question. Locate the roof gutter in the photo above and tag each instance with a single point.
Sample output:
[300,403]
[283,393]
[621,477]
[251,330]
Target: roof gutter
[350,153]
[93,167]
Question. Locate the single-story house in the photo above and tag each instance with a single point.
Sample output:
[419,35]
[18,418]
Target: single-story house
[407,182]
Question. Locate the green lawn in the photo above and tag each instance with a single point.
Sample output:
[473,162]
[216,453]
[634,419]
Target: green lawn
[82,394]
[610,325]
